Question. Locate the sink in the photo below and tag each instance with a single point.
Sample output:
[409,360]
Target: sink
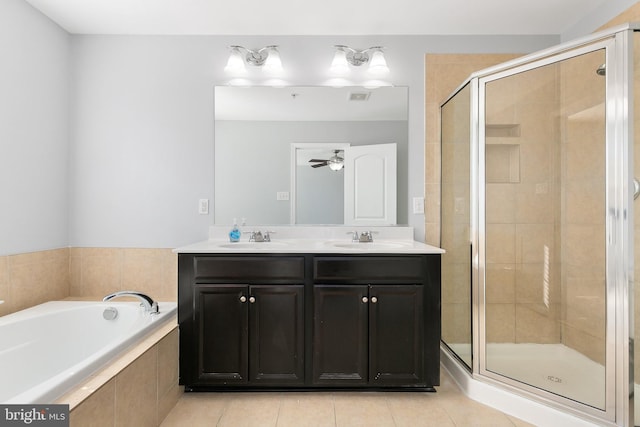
[253,245]
[368,245]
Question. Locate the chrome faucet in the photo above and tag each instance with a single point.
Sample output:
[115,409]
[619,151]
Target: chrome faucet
[364,237]
[258,236]
[150,306]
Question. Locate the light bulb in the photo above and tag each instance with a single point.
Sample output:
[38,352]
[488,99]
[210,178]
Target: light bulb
[377,64]
[339,64]
[235,64]
[273,64]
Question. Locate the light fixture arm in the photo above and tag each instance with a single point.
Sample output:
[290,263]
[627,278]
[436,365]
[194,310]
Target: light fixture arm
[254,57]
[357,57]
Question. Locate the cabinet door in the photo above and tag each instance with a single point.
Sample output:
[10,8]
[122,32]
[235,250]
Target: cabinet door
[340,350]
[222,324]
[276,337]
[396,338]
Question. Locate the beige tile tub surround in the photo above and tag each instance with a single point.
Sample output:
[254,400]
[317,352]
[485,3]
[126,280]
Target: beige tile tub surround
[138,389]
[30,279]
[100,271]
[33,278]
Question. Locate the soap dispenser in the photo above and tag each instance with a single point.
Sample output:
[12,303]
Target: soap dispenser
[234,234]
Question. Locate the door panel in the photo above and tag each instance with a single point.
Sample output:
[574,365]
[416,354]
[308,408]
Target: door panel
[276,334]
[340,342]
[370,184]
[396,334]
[222,322]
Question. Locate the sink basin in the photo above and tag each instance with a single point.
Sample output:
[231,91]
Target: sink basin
[369,245]
[253,245]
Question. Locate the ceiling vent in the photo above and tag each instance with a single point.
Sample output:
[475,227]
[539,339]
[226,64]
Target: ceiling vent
[359,96]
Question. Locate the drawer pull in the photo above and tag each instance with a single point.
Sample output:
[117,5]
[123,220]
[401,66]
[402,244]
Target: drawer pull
[374,300]
[365,299]
[252,299]
[243,299]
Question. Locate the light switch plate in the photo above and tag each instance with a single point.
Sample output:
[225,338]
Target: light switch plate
[203,206]
[418,205]
[282,195]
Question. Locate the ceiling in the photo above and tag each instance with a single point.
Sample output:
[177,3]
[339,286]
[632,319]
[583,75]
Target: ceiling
[320,17]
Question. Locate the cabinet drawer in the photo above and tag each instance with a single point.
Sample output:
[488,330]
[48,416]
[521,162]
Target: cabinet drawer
[249,268]
[369,268]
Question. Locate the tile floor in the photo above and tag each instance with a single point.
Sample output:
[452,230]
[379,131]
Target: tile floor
[446,408]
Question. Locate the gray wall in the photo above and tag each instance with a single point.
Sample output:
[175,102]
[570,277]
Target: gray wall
[34,118]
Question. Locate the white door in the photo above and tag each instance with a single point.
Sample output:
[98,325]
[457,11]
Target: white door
[370,184]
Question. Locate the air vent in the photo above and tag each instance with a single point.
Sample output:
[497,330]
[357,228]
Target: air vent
[359,96]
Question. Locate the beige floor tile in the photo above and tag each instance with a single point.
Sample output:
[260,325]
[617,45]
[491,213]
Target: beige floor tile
[519,423]
[448,407]
[251,410]
[468,413]
[418,410]
[362,409]
[197,409]
[307,409]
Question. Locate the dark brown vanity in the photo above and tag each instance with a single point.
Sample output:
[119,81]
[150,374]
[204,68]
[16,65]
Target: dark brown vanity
[309,320]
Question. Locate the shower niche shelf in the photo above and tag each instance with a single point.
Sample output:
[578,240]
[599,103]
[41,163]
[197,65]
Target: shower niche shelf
[502,130]
[502,163]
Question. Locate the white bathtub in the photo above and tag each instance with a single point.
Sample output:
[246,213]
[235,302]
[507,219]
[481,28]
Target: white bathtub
[48,349]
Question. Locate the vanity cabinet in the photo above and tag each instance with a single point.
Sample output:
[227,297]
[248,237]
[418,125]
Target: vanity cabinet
[241,321]
[368,335]
[271,320]
[250,334]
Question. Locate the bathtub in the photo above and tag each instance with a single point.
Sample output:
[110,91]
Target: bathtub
[48,349]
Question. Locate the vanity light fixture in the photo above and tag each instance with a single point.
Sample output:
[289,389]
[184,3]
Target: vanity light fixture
[346,56]
[268,57]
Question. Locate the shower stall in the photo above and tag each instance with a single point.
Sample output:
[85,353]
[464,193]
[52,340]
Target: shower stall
[537,208]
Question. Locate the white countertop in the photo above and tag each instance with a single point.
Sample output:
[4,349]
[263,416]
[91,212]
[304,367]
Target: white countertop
[313,239]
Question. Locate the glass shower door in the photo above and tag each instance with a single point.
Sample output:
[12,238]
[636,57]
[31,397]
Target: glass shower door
[455,225]
[543,222]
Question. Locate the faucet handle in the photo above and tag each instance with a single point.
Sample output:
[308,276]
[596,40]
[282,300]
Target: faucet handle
[267,235]
[366,236]
[354,236]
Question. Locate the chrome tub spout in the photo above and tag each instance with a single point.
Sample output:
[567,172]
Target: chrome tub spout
[150,306]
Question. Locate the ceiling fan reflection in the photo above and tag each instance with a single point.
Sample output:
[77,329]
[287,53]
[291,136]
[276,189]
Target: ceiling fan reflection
[335,162]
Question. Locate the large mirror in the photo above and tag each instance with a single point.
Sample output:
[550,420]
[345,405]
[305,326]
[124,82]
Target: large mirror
[265,138]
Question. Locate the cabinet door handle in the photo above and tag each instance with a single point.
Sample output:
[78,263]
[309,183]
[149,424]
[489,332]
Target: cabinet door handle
[374,300]
[365,299]
[243,299]
[252,299]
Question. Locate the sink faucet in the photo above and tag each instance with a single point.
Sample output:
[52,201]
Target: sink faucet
[258,236]
[150,306]
[364,237]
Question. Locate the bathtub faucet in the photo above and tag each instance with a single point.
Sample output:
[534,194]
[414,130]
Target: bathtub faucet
[150,306]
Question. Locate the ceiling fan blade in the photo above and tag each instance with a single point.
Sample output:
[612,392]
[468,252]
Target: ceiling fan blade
[319,165]
[318,160]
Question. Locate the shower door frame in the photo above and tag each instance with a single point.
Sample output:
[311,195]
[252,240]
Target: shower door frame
[618,46]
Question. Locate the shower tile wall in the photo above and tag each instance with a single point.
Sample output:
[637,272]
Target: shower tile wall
[444,73]
[583,206]
[522,294]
